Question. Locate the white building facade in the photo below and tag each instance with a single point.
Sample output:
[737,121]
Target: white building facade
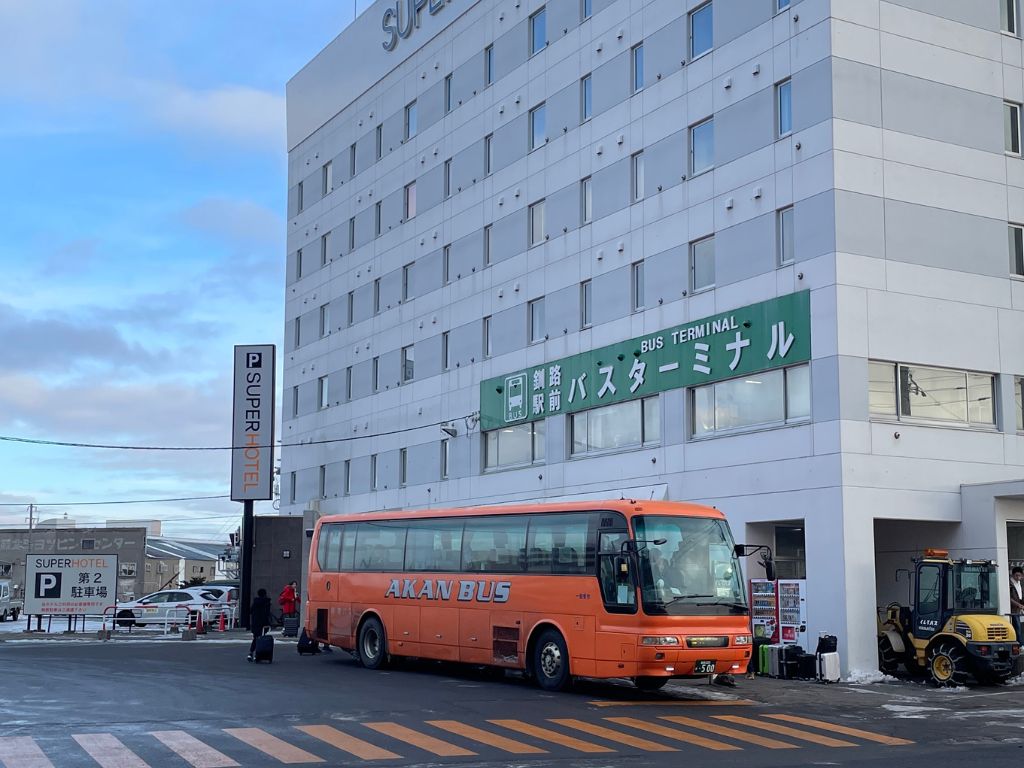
[759,254]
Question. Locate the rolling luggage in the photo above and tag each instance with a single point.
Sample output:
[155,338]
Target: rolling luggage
[291,626]
[264,650]
[827,643]
[828,667]
[764,654]
[307,645]
[789,664]
[774,660]
[807,666]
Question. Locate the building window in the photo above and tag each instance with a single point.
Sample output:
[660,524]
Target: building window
[322,482]
[702,264]
[291,489]
[1011,127]
[403,466]
[447,94]
[446,358]
[535,319]
[488,154]
[322,392]
[410,200]
[446,264]
[88,544]
[538,130]
[1008,16]
[447,178]
[408,363]
[784,108]
[586,304]
[912,392]
[586,98]
[445,458]
[487,245]
[586,9]
[373,471]
[352,161]
[702,37]
[586,201]
[351,310]
[298,332]
[149,567]
[348,477]
[379,138]
[1018,394]
[487,336]
[637,177]
[790,552]
[410,121]
[784,228]
[514,445]
[376,296]
[351,234]
[375,374]
[637,286]
[127,570]
[1016,250]
[348,383]
[325,319]
[298,264]
[536,216]
[299,198]
[325,248]
[613,427]
[755,400]
[638,67]
[488,65]
[538,31]
[328,174]
[295,401]
[702,147]
[781,5]
[376,219]
[406,272]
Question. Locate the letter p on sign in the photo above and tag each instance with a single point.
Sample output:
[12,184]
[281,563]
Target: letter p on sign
[48,585]
[253,359]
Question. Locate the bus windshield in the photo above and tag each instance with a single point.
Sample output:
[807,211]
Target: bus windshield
[973,588]
[694,571]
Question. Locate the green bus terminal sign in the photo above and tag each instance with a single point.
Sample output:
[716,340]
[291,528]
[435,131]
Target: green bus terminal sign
[771,334]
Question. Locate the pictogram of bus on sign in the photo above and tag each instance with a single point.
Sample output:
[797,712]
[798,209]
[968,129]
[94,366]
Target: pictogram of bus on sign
[515,397]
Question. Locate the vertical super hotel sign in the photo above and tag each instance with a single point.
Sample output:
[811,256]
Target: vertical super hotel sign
[252,423]
[771,334]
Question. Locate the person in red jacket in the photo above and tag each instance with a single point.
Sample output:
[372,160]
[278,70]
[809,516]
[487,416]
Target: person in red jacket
[289,600]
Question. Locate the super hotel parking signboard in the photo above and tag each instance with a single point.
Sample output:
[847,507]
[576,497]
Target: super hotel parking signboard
[70,584]
[252,423]
[770,334]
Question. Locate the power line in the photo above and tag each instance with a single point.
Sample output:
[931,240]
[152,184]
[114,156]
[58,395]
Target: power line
[104,503]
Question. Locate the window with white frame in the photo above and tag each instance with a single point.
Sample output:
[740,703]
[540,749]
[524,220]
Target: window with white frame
[348,383]
[1016,232]
[328,177]
[771,398]
[446,264]
[633,423]
[410,200]
[637,286]
[538,126]
[299,197]
[535,320]
[406,279]
[702,36]
[375,374]
[446,355]
[298,332]
[586,304]
[538,233]
[487,245]
[377,218]
[702,264]
[781,5]
[376,296]
[410,120]
[127,570]
[784,108]
[586,9]
[1008,16]
[351,311]
[488,65]
[373,471]
[448,178]
[445,458]
[321,486]
[351,233]
[637,177]
[1011,127]
[486,334]
[408,362]
[1018,396]
[323,396]
[586,98]
[298,264]
[347,480]
[379,141]
[403,466]
[447,93]
[488,154]
[940,395]
[538,31]
[784,235]
[291,487]
[325,248]
[352,160]
[295,401]
[702,147]
[514,445]
[325,319]
[637,67]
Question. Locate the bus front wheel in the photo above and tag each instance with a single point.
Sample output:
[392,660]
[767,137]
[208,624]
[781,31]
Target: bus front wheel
[373,644]
[551,661]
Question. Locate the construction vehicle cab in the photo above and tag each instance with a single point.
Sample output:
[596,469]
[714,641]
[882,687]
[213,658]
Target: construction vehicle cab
[953,633]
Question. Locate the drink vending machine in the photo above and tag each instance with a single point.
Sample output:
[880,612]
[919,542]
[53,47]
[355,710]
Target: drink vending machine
[764,611]
[792,598]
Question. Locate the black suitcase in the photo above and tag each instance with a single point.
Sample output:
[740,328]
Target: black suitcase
[264,650]
[827,644]
[789,666]
[307,645]
[807,666]
[291,626]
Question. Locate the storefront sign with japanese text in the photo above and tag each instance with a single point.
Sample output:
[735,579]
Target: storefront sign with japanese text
[68,585]
[771,334]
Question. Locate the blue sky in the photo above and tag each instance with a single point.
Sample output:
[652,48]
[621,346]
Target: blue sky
[142,201]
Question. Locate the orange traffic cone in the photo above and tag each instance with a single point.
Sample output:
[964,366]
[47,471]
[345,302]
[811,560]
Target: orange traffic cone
[223,623]
[200,629]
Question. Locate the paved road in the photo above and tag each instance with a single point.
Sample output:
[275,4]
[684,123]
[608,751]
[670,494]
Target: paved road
[200,705]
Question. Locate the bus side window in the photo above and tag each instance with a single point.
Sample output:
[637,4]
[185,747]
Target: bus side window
[334,547]
[321,547]
[348,548]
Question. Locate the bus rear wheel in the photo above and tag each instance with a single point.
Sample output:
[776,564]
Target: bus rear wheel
[650,683]
[373,644]
[551,661]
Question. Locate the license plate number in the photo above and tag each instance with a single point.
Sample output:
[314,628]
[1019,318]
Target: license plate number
[704,668]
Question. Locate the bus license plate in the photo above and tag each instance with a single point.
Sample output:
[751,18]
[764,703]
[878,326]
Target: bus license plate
[704,668]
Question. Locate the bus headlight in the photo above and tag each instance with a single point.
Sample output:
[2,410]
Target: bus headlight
[743,640]
[659,640]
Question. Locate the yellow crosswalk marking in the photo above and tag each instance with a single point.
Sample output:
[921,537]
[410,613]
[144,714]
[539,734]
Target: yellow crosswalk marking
[732,733]
[22,752]
[546,734]
[783,730]
[673,733]
[880,738]
[611,735]
[347,743]
[273,746]
[193,751]
[108,751]
[421,740]
[488,738]
[674,703]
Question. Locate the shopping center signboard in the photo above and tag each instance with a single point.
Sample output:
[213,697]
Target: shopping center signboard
[771,334]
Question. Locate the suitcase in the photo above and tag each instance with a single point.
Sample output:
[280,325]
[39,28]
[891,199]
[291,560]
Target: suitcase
[307,645]
[827,643]
[291,626]
[828,667]
[764,654]
[774,660]
[807,666]
[264,650]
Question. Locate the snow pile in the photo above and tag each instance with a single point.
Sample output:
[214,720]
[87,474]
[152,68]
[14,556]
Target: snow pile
[1018,680]
[868,677]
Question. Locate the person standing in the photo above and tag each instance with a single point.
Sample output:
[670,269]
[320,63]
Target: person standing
[1017,599]
[259,618]
[289,600]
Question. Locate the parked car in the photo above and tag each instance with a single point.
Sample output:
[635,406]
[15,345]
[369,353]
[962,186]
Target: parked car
[222,593]
[166,604]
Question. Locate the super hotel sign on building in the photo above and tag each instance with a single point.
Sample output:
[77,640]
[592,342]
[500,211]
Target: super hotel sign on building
[771,334]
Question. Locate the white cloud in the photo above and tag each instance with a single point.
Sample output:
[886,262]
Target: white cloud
[237,222]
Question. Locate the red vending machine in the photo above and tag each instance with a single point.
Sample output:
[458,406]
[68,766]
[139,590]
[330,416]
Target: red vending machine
[792,598]
[764,610]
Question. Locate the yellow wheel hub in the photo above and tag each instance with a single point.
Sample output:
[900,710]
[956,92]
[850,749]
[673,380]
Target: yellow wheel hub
[942,667]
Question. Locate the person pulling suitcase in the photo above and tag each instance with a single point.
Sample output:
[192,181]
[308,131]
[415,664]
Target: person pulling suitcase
[259,619]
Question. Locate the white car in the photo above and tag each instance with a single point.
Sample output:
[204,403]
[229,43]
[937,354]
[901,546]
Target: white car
[167,604]
[223,594]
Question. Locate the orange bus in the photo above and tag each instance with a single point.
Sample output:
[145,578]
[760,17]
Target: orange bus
[642,590]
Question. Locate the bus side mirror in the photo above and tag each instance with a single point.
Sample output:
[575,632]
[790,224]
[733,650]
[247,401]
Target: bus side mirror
[740,550]
[622,570]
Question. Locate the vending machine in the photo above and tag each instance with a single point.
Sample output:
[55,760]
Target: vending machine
[764,610]
[792,600]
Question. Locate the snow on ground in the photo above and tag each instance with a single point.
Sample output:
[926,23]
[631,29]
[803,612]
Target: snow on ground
[868,677]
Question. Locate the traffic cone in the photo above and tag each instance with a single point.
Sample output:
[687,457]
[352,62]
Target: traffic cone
[200,629]
[223,623]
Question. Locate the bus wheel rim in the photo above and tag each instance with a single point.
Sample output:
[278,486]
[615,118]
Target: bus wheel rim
[551,660]
[371,644]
